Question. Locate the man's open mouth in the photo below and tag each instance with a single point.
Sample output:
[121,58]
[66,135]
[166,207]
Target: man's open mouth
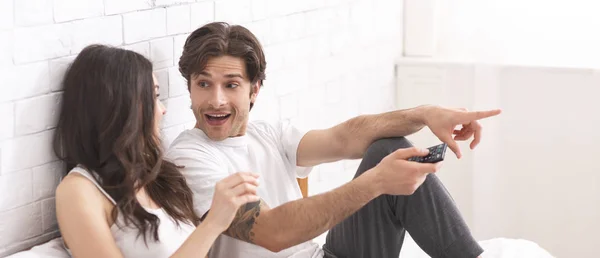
[215,118]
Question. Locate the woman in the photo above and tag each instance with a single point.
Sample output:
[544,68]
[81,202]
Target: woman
[120,197]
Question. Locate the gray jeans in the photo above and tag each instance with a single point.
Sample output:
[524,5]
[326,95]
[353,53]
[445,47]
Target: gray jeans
[429,215]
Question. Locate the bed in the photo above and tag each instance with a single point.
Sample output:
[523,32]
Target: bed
[494,248]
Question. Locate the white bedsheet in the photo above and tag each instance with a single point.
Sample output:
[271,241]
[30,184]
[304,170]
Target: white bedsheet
[494,248]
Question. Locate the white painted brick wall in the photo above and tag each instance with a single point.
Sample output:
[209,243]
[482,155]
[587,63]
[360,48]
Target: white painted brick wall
[259,9]
[120,6]
[46,178]
[177,84]
[27,151]
[6,14]
[36,114]
[202,13]
[233,11]
[85,32]
[144,25]
[23,81]
[178,19]
[19,184]
[178,111]
[57,68]
[6,48]
[33,12]
[7,116]
[178,42]
[41,43]
[172,2]
[161,52]
[49,222]
[327,61]
[67,10]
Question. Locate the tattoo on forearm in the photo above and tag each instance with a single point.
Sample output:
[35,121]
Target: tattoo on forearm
[244,221]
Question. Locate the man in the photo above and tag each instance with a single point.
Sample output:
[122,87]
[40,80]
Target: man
[367,217]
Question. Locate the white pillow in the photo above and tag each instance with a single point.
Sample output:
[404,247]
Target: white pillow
[512,248]
[51,249]
[494,248]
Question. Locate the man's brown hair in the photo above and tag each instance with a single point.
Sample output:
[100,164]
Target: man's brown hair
[219,39]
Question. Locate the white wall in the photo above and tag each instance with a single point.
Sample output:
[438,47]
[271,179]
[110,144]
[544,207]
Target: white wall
[533,32]
[535,174]
[327,61]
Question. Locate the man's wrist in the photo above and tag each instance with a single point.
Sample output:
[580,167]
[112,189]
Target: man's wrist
[373,182]
[421,114]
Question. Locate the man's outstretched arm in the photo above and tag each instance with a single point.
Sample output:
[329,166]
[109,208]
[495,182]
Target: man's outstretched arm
[350,139]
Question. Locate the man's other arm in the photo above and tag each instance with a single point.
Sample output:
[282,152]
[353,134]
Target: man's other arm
[299,221]
[350,139]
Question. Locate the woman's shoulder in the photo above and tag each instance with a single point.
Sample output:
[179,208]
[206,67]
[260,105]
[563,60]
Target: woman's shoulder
[76,187]
[78,191]
[74,184]
[81,209]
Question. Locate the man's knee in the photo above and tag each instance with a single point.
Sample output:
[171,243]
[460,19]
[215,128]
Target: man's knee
[382,147]
[378,150]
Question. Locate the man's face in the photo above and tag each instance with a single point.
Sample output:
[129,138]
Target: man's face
[221,96]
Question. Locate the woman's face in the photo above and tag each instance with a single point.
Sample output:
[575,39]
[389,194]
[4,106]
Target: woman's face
[159,108]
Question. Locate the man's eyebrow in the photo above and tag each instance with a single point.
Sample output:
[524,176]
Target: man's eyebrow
[234,75]
[229,76]
[204,73]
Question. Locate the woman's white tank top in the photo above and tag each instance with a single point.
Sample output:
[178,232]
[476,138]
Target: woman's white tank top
[171,236]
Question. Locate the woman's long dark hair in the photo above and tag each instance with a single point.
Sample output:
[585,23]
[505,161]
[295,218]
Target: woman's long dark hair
[106,124]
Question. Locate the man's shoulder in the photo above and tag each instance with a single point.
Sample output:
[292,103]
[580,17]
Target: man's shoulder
[261,125]
[267,127]
[188,141]
[264,130]
[186,138]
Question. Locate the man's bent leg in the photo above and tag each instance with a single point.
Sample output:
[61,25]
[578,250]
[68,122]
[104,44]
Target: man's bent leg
[429,215]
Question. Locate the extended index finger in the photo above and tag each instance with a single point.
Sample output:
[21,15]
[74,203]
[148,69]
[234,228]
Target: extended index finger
[477,115]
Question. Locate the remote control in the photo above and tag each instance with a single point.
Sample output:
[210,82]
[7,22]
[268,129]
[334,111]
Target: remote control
[436,154]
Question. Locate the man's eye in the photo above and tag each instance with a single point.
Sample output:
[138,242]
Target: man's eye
[232,85]
[203,84]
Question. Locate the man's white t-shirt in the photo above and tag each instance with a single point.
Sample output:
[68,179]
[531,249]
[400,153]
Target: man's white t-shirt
[269,150]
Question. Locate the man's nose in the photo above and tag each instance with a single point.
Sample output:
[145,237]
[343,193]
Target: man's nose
[218,98]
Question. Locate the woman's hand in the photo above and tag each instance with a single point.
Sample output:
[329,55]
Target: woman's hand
[231,193]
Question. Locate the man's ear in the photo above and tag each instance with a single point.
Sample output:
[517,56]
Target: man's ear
[254,92]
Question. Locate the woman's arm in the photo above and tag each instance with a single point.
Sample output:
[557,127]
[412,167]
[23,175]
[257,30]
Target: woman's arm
[199,242]
[82,215]
[230,193]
